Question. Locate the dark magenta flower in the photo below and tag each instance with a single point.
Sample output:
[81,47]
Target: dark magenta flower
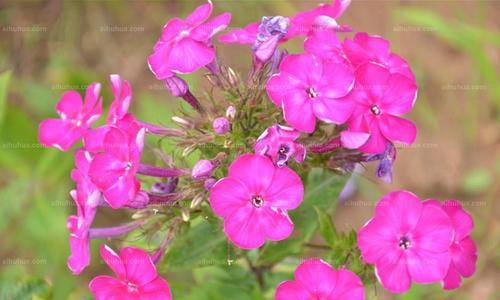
[76,117]
[316,279]
[137,277]
[185,45]
[278,143]
[254,199]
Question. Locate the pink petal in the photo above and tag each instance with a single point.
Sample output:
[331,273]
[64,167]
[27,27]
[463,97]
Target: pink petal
[433,231]
[373,79]
[427,266]
[348,287]
[401,209]
[138,265]
[376,143]
[109,288]
[452,280]
[122,92]
[376,46]
[352,139]
[337,80]
[275,223]
[281,85]
[397,129]
[291,290]
[322,43]
[79,258]
[92,98]
[335,111]
[122,192]
[254,171]
[188,55]
[70,105]
[244,228]
[464,256]
[227,196]
[317,276]
[298,112]
[157,289]
[461,220]
[116,143]
[246,35]
[200,14]
[376,238]
[399,96]
[171,31]
[105,170]
[157,61]
[93,140]
[355,53]
[339,7]
[392,272]
[204,32]
[400,66]
[58,133]
[114,261]
[305,67]
[286,190]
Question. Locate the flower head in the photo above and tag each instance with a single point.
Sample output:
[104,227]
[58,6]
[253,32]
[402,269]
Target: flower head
[381,98]
[307,87]
[254,199]
[365,48]
[185,45]
[407,241]
[137,277]
[278,142]
[315,279]
[75,118]
[463,249]
[113,170]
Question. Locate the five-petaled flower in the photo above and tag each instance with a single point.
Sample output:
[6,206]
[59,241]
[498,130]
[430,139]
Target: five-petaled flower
[381,98]
[316,279]
[137,277]
[407,241]
[75,118]
[254,199]
[307,87]
[185,45]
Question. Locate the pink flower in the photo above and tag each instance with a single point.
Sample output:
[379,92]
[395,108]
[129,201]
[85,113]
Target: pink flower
[137,277]
[315,279]
[113,171]
[307,87]
[325,44]
[303,22]
[381,98]
[253,201]
[365,48]
[185,45]
[86,197]
[406,241]
[278,142]
[463,249]
[75,118]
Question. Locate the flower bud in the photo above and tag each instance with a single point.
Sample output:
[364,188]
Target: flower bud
[197,200]
[140,200]
[182,122]
[221,126]
[209,183]
[231,112]
[177,86]
[203,169]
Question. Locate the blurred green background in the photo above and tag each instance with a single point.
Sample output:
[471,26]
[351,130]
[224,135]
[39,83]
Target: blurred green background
[51,46]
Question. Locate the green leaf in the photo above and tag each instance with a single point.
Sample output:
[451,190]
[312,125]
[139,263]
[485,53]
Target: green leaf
[203,244]
[33,288]
[4,82]
[326,227]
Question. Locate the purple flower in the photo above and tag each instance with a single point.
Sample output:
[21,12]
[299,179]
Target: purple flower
[278,142]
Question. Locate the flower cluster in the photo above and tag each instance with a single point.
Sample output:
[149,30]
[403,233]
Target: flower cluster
[334,106]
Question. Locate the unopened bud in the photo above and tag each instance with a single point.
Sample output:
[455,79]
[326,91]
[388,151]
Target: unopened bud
[177,86]
[232,77]
[185,214]
[182,122]
[197,201]
[209,183]
[221,126]
[203,169]
[231,112]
